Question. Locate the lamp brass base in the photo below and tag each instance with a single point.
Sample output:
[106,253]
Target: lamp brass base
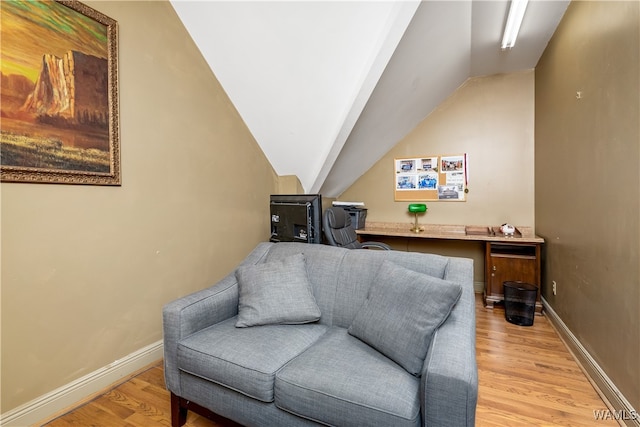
[417,228]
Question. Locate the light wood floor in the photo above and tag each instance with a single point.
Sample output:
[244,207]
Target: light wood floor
[526,377]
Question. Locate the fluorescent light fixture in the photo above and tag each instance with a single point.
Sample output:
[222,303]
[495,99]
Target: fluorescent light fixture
[516,14]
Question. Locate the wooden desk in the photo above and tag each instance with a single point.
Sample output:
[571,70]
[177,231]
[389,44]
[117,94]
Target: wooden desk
[514,258]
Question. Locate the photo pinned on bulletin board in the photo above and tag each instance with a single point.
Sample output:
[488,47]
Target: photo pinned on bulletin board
[431,178]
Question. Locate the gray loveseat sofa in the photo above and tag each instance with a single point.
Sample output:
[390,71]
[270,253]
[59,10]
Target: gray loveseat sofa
[302,334]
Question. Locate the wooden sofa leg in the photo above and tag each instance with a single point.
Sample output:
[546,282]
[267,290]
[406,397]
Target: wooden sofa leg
[178,412]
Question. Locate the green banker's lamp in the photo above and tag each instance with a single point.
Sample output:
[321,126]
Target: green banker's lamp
[416,208]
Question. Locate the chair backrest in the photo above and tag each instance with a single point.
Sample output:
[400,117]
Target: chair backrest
[338,230]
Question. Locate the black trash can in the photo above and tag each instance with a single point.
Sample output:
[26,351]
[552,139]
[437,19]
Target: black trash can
[520,302]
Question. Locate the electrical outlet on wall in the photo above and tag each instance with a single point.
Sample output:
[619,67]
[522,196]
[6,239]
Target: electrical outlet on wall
[554,287]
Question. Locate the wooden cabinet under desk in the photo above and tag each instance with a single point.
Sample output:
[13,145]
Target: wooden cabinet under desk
[507,258]
[510,262]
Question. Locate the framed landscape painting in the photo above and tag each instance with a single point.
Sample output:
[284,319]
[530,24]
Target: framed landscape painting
[58,94]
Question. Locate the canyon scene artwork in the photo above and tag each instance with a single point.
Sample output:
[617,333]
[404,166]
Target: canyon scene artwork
[58,94]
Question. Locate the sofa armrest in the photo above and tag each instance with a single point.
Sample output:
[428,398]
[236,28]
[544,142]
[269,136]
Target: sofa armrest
[449,383]
[192,313]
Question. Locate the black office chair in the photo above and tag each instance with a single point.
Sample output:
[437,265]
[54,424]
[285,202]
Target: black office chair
[338,231]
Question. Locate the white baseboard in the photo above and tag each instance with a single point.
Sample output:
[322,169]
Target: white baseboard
[607,390]
[478,287]
[46,406]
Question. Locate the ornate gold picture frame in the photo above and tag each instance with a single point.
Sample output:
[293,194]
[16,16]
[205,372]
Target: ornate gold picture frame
[59,94]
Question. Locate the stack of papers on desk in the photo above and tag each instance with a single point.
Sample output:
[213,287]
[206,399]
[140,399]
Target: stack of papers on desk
[348,204]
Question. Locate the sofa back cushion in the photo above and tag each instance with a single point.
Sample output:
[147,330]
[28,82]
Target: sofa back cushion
[341,278]
[274,293]
[323,266]
[360,268]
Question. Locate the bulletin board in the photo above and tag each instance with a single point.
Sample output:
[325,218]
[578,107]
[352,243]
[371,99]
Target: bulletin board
[431,178]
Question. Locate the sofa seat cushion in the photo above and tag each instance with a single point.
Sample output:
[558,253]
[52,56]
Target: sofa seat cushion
[342,381]
[245,359]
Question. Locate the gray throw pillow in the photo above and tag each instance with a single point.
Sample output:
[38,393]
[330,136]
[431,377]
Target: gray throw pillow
[277,292]
[403,310]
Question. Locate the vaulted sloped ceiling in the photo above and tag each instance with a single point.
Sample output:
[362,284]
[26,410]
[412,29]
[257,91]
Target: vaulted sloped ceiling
[328,87]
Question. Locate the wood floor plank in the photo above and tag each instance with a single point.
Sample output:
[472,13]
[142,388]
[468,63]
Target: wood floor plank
[115,408]
[60,422]
[526,377]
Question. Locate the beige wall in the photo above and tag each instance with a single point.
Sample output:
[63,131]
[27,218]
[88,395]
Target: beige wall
[587,176]
[289,184]
[87,269]
[491,119]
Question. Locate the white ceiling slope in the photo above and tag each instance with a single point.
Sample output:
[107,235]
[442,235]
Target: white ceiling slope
[328,87]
